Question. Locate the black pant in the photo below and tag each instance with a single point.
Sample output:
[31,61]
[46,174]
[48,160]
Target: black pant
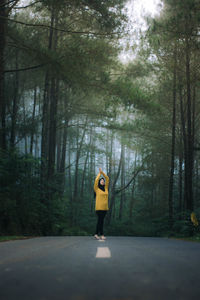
[101,215]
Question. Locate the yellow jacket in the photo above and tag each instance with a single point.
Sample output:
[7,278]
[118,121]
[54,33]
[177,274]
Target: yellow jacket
[101,196]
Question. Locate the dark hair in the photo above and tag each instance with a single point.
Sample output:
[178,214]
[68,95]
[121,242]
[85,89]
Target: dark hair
[100,186]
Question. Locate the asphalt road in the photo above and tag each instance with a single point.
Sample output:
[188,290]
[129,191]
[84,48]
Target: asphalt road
[82,268]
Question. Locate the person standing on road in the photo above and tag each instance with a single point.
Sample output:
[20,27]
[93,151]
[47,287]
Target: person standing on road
[101,205]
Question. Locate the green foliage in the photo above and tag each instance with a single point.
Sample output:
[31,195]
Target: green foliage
[19,208]
[131,228]
[75,230]
[23,208]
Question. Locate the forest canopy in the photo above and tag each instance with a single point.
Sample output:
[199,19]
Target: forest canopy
[69,105]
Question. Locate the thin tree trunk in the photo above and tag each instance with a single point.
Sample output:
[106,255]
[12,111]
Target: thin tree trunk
[63,157]
[122,196]
[132,191]
[197,202]
[69,173]
[85,164]
[33,119]
[15,105]
[112,171]
[52,127]
[112,192]
[180,176]
[25,136]
[110,157]
[189,191]
[44,138]
[64,146]
[54,90]
[36,146]
[58,148]
[78,153]
[83,176]
[193,133]
[92,169]
[3,25]
[132,201]
[171,180]
[45,112]
[184,142]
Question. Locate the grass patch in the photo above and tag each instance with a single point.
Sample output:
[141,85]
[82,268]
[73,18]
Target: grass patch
[189,239]
[14,237]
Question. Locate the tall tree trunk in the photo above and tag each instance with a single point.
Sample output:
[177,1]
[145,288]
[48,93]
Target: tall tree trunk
[15,105]
[48,141]
[171,180]
[132,201]
[110,157]
[193,132]
[197,198]
[189,192]
[37,152]
[112,192]
[45,111]
[107,151]
[112,171]
[184,142]
[58,148]
[33,119]
[83,176]
[54,90]
[63,157]
[63,150]
[25,136]
[92,169]
[122,196]
[69,173]
[45,130]
[78,153]
[52,127]
[180,174]
[3,25]
[132,191]
[85,164]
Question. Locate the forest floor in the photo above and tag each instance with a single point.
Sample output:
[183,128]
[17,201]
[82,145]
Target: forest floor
[82,268]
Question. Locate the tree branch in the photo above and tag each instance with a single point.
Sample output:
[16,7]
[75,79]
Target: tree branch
[134,176]
[59,29]
[13,5]
[29,5]
[24,69]
[5,4]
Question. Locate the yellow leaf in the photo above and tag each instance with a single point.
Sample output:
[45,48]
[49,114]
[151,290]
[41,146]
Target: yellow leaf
[194,219]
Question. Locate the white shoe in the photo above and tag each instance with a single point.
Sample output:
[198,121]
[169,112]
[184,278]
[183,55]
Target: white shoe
[96,236]
[103,237]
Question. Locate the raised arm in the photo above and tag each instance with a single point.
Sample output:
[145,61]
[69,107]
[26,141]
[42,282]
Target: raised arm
[96,182]
[106,178]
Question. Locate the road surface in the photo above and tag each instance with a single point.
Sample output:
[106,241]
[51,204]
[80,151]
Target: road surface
[82,268]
